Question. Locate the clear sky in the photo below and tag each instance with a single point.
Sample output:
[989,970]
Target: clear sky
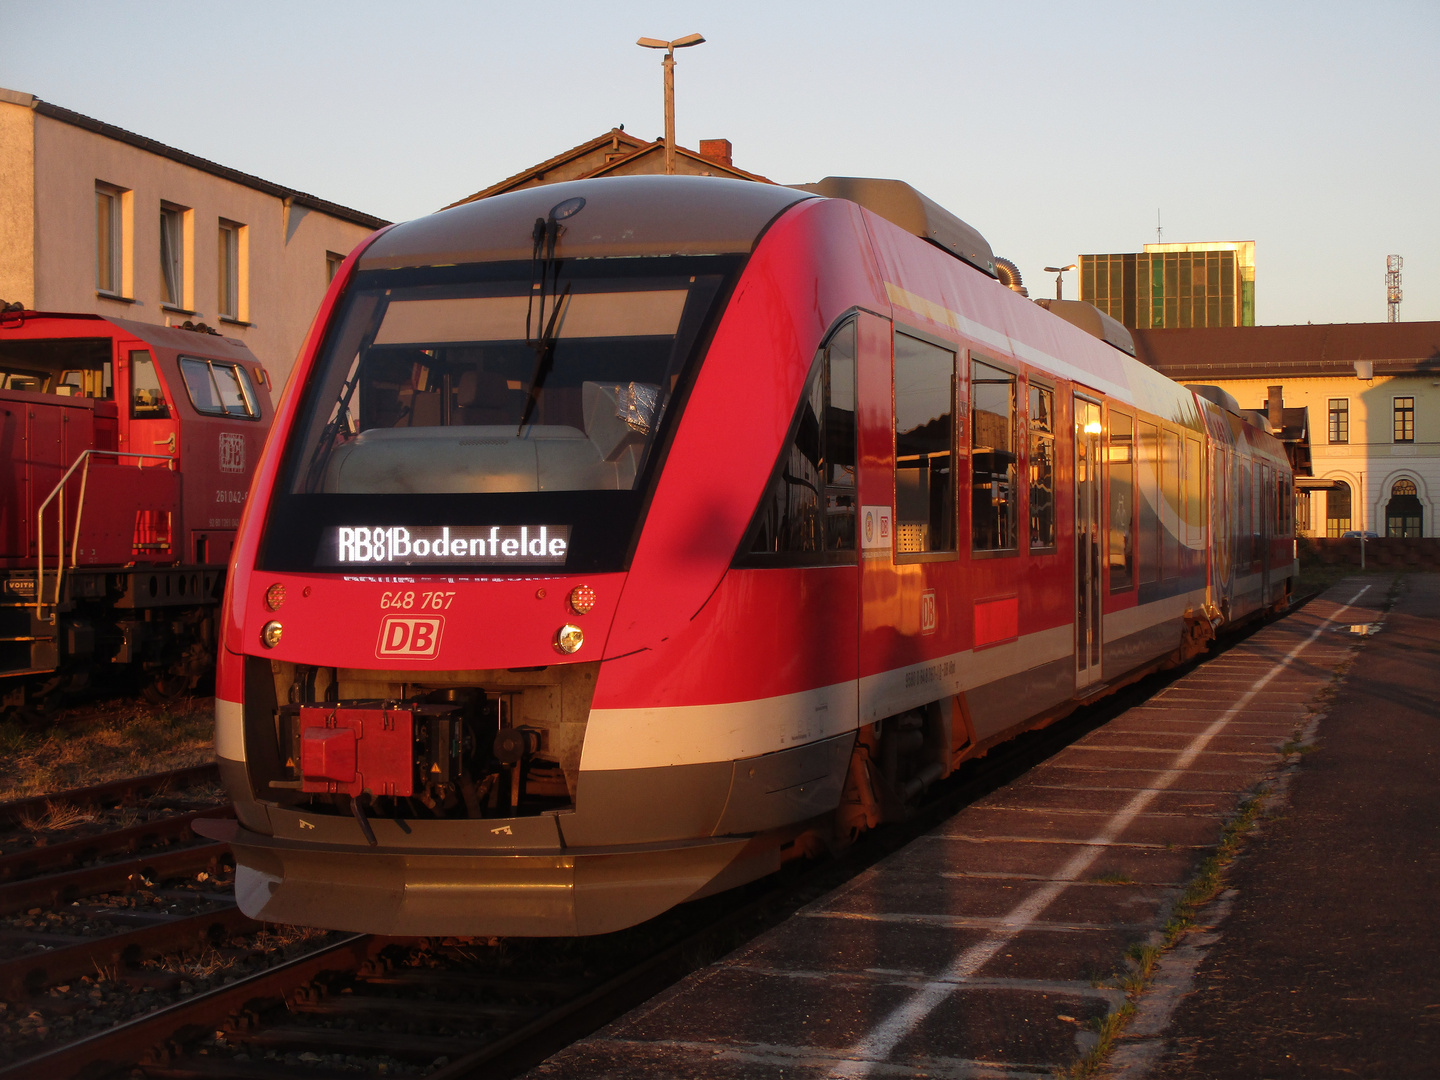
[1054,128]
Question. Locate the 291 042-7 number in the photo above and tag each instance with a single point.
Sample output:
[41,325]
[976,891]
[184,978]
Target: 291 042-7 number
[410,600]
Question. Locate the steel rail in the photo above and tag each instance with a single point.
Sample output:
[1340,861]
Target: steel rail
[52,890]
[113,791]
[23,864]
[127,1043]
[28,974]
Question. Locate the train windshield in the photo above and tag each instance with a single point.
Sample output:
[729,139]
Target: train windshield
[520,410]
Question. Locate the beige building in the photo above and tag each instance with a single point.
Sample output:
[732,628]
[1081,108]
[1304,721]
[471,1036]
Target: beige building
[97,219]
[1371,395]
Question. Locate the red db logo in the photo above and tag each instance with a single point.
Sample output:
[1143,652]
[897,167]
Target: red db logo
[927,612]
[408,638]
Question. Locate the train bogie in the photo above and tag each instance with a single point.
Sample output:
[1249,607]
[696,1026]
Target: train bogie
[623,538]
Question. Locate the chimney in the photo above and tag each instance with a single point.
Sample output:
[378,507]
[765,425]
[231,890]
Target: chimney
[1273,407]
[716,150]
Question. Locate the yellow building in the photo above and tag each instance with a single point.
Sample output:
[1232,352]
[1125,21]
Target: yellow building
[94,218]
[1371,395]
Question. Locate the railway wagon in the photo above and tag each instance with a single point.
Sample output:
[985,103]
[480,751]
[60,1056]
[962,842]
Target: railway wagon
[622,538]
[126,452]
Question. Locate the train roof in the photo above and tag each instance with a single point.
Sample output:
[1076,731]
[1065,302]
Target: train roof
[40,324]
[622,216]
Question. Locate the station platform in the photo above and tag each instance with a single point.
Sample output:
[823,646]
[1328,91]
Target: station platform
[990,947]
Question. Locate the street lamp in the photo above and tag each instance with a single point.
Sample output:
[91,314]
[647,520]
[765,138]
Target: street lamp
[1059,272]
[669,65]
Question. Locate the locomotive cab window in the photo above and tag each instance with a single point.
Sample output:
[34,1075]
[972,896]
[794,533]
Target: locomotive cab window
[219,389]
[807,516]
[994,493]
[924,447]
[66,367]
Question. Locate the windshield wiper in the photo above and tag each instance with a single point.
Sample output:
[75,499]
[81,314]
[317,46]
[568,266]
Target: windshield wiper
[545,272]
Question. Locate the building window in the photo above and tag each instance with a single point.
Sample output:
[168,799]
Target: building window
[924,447]
[172,256]
[1337,509]
[109,240]
[333,262]
[1340,420]
[231,298]
[1404,513]
[1404,419]
[993,491]
[1042,467]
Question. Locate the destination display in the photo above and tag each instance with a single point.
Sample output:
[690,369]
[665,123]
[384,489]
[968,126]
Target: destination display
[485,545]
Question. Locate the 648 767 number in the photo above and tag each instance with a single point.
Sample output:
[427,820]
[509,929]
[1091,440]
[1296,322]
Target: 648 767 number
[411,600]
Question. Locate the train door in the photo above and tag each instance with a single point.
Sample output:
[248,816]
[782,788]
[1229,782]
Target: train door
[1088,525]
[147,420]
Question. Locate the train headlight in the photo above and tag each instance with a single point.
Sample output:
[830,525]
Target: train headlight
[568,638]
[582,599]
[271,631]
[275,596]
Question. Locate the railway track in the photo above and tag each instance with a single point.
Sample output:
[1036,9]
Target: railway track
[442,1008]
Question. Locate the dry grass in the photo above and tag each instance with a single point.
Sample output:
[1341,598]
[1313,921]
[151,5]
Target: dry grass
[127,738]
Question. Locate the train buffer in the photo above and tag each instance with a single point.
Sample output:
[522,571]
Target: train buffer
[990,946]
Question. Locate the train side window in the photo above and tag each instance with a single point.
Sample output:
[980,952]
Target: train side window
[1121,463]
[993,491]
[1172,508]
[219,389]
[1150,518]
[809,508]
[147,398]
[1194,476]
[1042,467]
[924,447]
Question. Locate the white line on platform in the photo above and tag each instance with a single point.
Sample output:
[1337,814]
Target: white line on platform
[875,1049]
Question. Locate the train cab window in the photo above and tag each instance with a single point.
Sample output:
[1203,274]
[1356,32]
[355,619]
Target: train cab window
[1042,467]
[1120,462]
[993,490]
[219,389]
[147,397]
[809,508]
[65,367]
[1150,516]
[924,447]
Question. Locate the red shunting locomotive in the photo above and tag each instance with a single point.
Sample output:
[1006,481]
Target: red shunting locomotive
[622,538]
[126,452]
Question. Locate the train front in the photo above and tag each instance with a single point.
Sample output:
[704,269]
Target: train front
[437,547]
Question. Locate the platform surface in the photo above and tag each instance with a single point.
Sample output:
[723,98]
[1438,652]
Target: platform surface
[988,947]
[1327,963]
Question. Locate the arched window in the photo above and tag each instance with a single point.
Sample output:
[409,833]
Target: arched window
[1337,509]
[1404,514]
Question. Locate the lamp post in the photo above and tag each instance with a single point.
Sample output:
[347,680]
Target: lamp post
[1059,272]
[669,64]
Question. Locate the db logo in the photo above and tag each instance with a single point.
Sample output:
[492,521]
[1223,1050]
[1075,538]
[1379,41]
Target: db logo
[408,638]
[927,612]
[232,452]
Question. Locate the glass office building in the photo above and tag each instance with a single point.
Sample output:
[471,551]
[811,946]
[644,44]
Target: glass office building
[1174,285]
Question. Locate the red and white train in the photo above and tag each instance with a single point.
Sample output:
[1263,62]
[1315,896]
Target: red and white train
[620,538]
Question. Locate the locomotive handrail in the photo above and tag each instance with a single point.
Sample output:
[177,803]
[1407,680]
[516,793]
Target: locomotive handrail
[59,489]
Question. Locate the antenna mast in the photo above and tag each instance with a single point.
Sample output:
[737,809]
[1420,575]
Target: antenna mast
[1159,232]
[1393,263]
